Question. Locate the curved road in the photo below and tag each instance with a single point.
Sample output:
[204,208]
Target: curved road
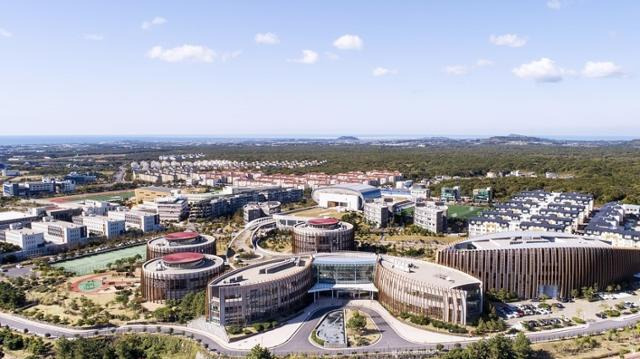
[390,340]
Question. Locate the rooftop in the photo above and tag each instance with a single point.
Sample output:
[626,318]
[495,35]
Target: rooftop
[427,272]
[265,271]
[14,215]
[175,263]
[529,239]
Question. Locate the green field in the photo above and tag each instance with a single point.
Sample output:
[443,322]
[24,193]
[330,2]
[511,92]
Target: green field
[464,212]
[86,265]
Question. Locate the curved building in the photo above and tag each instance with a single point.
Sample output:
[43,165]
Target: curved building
[322,235]
[260,292]
[180,242]
[173,276]
[351,196]
[425,288]
[530,264]
[269,289]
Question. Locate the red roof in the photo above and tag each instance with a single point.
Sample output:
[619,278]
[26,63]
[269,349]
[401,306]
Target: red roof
[183,258]
[322,221]
[181,236]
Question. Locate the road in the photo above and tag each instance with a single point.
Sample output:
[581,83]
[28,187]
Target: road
[390,341]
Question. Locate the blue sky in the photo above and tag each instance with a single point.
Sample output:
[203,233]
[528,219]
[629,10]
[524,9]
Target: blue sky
[224,68]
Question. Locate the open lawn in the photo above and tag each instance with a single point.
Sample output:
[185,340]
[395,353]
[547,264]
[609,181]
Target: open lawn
[368,335]
[463,212]
[87,265]
[609,344]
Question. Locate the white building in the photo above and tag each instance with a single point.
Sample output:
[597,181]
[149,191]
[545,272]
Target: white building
[101,226]
[351,197]
[60,232]
[170,209]
[431,216]
[144,221]
[98,208]
[25,238]
[420,192]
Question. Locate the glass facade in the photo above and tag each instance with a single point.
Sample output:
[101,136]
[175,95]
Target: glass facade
[347,273]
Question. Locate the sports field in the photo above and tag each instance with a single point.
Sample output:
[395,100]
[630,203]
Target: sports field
[87,265]
[104,196]
[464,212]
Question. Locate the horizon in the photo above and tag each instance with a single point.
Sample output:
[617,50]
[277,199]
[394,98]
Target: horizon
[321,68]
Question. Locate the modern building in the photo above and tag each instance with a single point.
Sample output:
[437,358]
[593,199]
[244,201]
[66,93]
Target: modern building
[431,216]
[450,194]
[323,235]
[351,196]
[60,232]
[530,264]
[254,210]
[483,195]
[260,291]
[180,242]
[34,188]
[25,238]
[7,218]
[419,192]
[170,209]
[101,226]
[380,212]
[143,221]
[79,178]
[144,194]
[173,276]
[424,288]
[284,285]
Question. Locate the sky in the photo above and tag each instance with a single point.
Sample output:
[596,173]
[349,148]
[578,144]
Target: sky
[263,68]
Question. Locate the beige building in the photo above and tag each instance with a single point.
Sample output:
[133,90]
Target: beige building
[151,193]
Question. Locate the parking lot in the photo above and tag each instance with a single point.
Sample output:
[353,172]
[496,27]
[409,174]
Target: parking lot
[551,313]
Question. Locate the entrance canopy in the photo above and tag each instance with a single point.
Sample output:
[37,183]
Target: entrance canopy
[323,287]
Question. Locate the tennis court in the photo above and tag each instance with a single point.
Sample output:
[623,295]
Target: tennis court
[87,265]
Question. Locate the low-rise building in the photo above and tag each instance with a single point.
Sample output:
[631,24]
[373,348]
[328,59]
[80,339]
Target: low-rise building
[59,232]
[254,210]
[144,221]
[483,195]
[431,216]
[101,225]
[144,194]
[25,238]
[450,194]
[350,196]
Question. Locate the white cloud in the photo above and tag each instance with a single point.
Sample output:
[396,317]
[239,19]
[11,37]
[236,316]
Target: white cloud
[93,37]
[5,33]
[483,63]
[190,53]
[511,40]
[267,38]
[597,69]
[156,21]
[456,70]
[307,57]
[229,55]
[331,56]
[349,42]
[383,71]
[543,70]
[554,4]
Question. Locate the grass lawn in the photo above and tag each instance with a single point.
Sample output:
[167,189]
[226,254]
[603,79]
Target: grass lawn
[463,212]
[367,336]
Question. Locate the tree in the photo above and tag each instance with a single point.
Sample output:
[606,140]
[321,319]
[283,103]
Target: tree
[521,347]
[259,352]
[357,322]
[575,293]
[500,347]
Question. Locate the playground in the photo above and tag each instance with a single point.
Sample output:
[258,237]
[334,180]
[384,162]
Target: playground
[103,283]
[463,212]
[88,264]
